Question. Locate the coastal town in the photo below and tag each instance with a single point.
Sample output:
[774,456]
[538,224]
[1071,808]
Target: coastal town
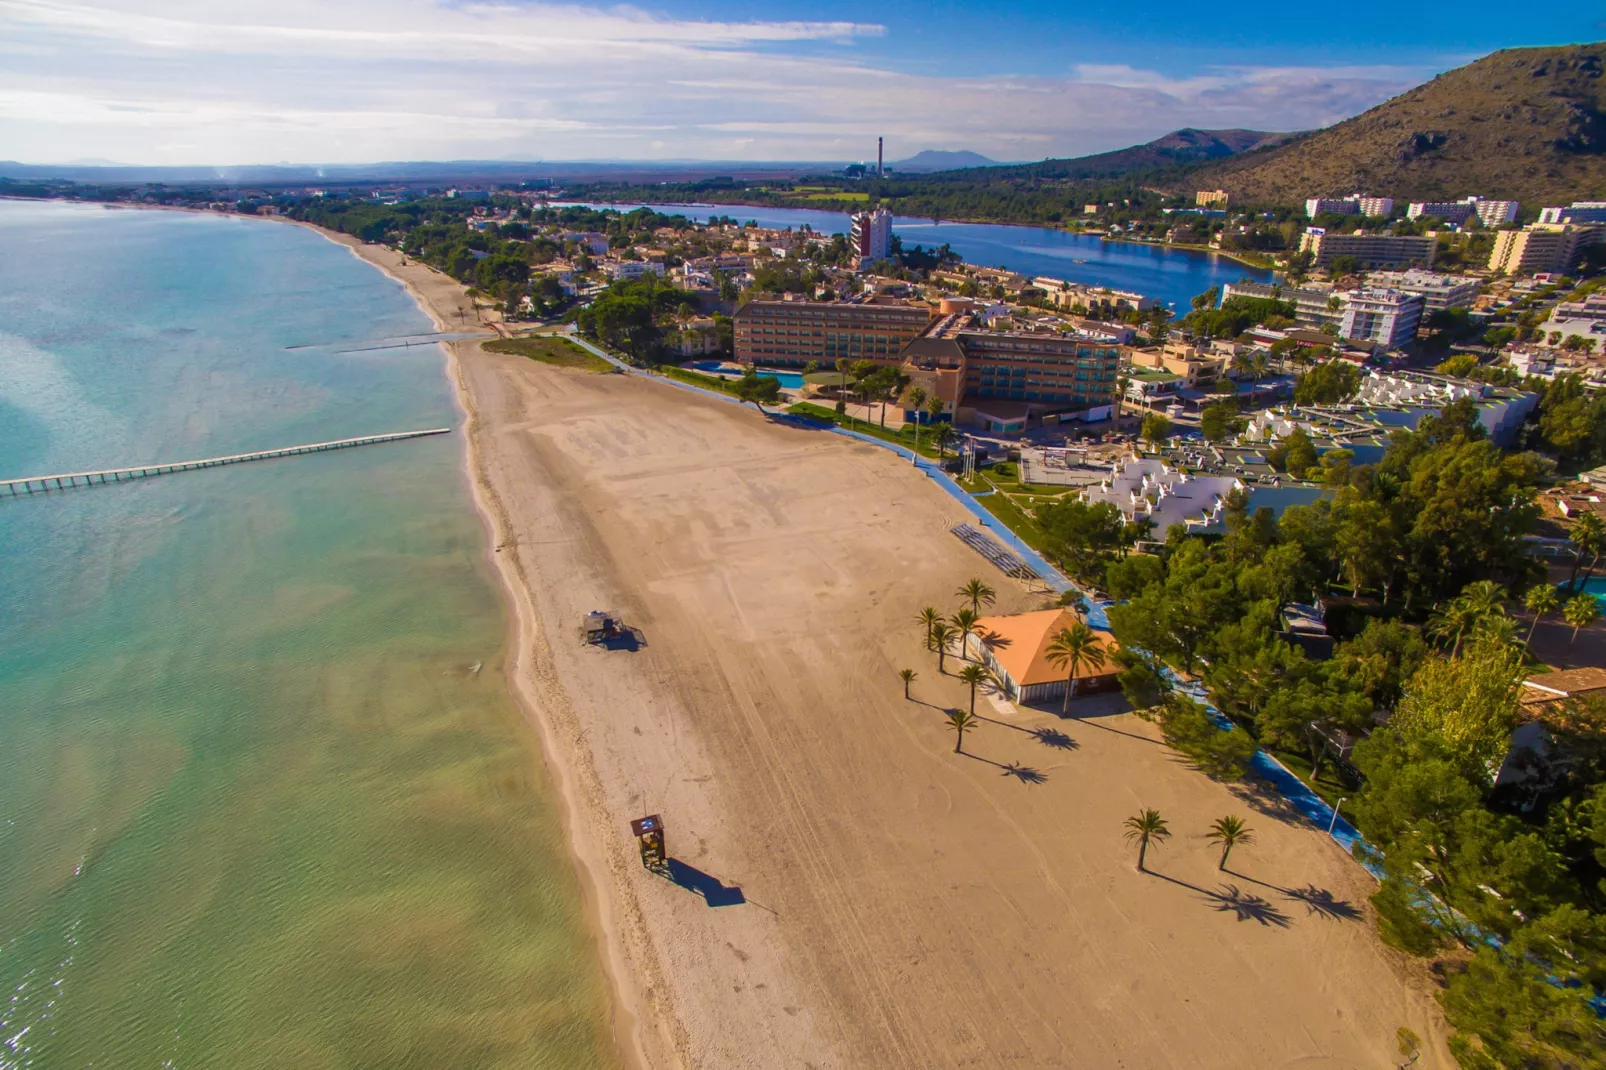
[789,630]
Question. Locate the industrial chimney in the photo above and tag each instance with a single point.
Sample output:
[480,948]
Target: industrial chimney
[880,169]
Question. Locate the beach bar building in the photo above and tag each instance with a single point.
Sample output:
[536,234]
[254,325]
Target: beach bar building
[1016,648]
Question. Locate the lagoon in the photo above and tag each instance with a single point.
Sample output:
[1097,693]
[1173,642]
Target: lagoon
[1172,276]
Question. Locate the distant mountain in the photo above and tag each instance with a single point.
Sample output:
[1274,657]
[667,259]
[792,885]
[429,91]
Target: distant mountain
[1178,147]
[1525,124]
[929,160]
[447,173]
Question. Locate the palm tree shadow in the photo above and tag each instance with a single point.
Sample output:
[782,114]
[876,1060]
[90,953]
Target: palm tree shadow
[1053,737]
[1245,906]
[1023,773]
[1318,901]
[1323,902]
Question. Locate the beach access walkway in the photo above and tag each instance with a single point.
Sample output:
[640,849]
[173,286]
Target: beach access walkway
[26,485]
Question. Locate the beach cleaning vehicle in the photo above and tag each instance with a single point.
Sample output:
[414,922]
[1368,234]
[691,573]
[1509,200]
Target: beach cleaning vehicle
[650,837]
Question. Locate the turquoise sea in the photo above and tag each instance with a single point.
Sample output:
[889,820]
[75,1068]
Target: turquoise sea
[264,799]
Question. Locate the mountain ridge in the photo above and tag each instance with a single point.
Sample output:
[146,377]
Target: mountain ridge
[1525,124]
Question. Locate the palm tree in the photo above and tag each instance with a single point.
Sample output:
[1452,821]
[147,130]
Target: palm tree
[964,623]
[1074,649]
[1501,629]
[917,400]
[1229,831]
[1148,826]
[959,720]
[1588,536]
[1486,597]
[1121,382]
[1453,622]
[908,677]
[1540,601]
[974,675]
[1580,611]
[976,592]
[928,619]
[944,435]
[942,634]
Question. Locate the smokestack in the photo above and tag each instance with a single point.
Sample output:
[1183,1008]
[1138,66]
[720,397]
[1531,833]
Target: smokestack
[880,170]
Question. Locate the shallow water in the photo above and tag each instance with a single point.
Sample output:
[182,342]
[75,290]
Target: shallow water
[258,806]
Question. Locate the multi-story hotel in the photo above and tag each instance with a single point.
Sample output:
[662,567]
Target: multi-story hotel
[790,334]
[1022,374]
[1553,247]
[1368,250]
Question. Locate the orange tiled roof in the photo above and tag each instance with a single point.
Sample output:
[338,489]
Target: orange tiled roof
[1019,644]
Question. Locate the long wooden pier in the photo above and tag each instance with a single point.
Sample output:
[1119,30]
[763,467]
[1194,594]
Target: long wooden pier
[17,488]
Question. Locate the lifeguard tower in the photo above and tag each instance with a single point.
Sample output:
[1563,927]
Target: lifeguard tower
[602,625]
[650,836]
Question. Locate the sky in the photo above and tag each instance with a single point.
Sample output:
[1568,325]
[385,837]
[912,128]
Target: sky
[231,82]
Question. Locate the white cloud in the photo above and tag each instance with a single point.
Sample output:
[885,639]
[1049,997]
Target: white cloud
[185,81]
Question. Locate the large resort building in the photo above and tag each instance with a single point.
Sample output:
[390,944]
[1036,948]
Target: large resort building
[1005,379]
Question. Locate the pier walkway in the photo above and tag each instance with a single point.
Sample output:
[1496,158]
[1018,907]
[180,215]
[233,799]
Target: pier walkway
[16,488]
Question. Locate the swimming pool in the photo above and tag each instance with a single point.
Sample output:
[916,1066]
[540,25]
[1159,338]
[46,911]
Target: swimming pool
[789,380]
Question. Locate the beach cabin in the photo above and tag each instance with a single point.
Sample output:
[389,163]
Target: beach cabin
[1016,648]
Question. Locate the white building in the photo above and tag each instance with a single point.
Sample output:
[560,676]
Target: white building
[1315,206]
[1584,319]
[1354,204]
[1494,213]
[1152,490]
[870,235]
[1579,212]
[1387,317]
[1490,213]
[1449,211]
[634,269]
[1438,291]
[1315,304]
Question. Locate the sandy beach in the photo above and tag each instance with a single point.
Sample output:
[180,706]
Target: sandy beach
[848,891]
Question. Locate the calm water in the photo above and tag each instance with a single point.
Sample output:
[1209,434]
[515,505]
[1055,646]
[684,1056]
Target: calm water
[257,806]
[1170,275]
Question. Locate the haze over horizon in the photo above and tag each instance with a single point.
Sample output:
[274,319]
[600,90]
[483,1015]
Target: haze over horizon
[419,80]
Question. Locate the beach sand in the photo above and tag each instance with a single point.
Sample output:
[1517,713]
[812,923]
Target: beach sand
[899,904]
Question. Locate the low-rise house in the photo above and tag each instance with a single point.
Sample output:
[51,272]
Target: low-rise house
[1015,648]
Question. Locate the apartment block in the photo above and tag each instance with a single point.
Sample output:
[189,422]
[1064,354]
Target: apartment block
[1315,304]
[1211,198]
[870,235]
[1457,212]
[1438,292]
[1315,206]
[1387,317]
[1578,212]
[1541,247]
[790,334]
[1368,250]
[1354,204]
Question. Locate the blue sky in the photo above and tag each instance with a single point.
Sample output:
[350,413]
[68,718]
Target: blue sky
[265,81]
